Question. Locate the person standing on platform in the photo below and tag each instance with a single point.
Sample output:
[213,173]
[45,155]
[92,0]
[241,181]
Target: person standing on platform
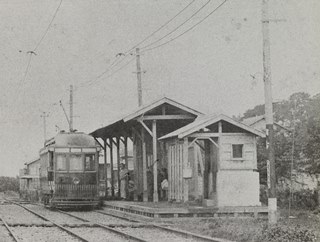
[123,177]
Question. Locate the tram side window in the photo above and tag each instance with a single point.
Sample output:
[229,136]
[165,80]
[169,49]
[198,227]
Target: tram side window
[62,162]
[89,162]
[76,162]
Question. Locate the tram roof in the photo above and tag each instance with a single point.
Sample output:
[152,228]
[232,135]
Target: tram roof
[72,139]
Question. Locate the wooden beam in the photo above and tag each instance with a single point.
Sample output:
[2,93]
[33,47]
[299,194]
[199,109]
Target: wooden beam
[111,167]
[144,166]
[146,127]
[99,143]
[135,167]
[105,167]
[201,146]
[203,135]
[185,165]
[155,158]
[136,133]
[118,163]
[127,165]
[123,140]
[166,117]
[193,141]
[212,141]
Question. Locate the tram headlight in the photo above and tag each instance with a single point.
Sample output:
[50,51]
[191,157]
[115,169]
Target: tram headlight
[76,180]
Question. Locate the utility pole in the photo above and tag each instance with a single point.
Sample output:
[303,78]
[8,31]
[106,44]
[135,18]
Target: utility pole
[139,77]
[71,109]
[44,116]
[272,200]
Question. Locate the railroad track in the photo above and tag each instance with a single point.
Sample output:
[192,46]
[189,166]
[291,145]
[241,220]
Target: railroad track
[15,238]
[123,235]
[146,228]
[136,230]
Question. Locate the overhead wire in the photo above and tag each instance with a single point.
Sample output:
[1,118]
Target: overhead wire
[40,41]
[161,27]
[186,31]
[118,61]
[47,29]
[179,26]
[103,73]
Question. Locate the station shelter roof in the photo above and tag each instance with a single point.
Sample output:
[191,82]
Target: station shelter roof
[211,123]
[170,115]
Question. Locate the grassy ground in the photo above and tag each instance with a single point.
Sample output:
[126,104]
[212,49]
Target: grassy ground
[305,226]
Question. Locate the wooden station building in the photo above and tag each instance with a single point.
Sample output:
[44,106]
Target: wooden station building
[143,127]
[209,159]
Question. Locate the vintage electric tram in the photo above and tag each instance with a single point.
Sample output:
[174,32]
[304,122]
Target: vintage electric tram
[69,171]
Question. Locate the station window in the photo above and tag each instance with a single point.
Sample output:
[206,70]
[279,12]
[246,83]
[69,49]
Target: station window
[76,163]
[89,162]
[61,162]
[237,151]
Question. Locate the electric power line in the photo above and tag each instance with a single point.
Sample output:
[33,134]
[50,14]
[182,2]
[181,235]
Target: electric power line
[41,39]
[186,31]
[161,27]
[103,73]
[179,26]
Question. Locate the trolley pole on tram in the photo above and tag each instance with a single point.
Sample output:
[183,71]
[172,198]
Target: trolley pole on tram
[272,199]
[71,109]
[44,116]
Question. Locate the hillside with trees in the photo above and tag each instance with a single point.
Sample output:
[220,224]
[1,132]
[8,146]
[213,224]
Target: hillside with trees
[300,146]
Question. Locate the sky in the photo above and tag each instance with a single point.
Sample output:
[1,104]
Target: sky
[215,68]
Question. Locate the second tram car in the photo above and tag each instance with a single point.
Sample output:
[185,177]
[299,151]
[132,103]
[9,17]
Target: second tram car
[69,171]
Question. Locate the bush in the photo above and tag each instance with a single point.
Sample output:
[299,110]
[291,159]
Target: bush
[9,184]
[285,233]
[303,199]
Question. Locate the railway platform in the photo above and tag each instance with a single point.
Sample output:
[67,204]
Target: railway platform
[176,210]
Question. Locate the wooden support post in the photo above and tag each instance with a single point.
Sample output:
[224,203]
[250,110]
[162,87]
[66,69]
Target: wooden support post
[105,166]
[111,167]
[185,165]
[127,165]
[219,144]
[135,180]
[118,163]
[155,160]
[195,170]
[144,166]
[206,169]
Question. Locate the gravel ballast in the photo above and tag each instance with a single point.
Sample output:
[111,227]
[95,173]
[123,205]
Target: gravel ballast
[152,234]
[100,218]
[4,234]
[42,234]
[97,235]
[14,214]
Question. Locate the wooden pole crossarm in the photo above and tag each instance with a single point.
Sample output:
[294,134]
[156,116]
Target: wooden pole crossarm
[99,143]
[145,126]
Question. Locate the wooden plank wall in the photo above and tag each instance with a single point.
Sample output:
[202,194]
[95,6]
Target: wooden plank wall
[175,169]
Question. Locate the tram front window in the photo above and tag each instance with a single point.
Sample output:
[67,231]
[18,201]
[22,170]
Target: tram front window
[89,162]
[61,162]
[76,163]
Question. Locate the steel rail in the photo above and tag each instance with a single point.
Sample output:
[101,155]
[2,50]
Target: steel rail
[122,234]
[57,225]
[10,231]
[176,231]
